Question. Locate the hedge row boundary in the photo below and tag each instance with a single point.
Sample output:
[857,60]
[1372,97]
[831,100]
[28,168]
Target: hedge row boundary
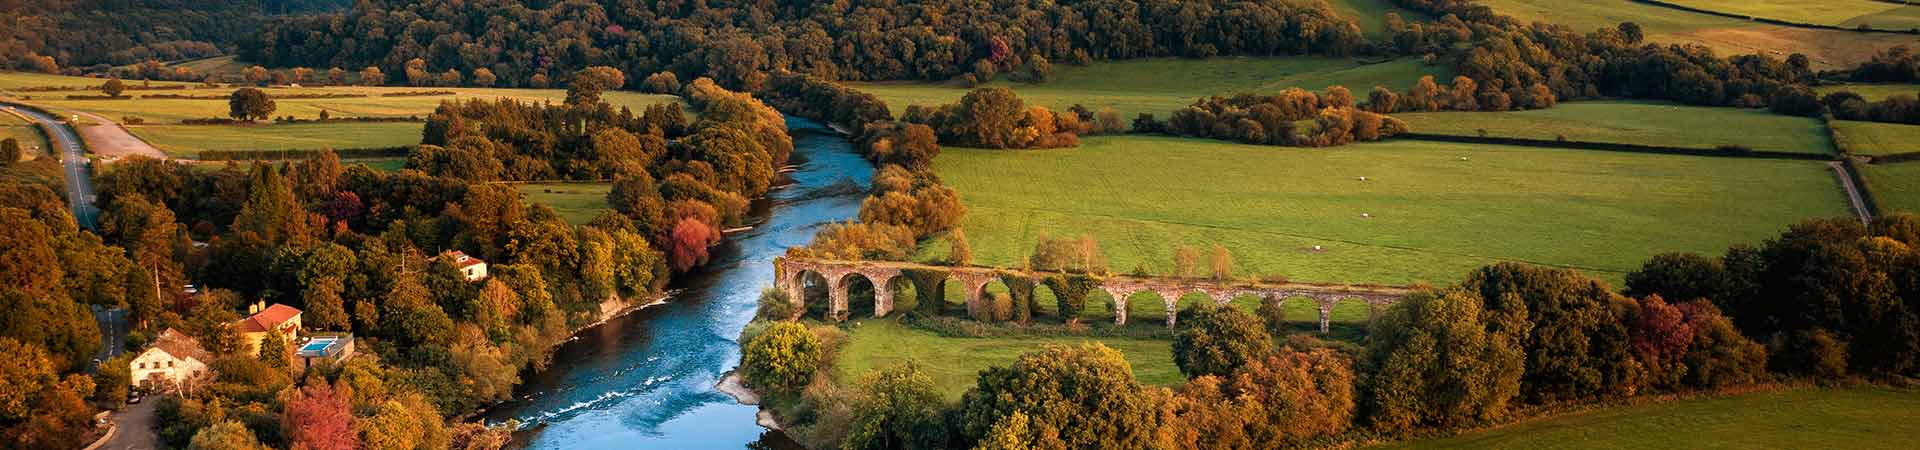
[286,154]
[1781,22]
[1612,146]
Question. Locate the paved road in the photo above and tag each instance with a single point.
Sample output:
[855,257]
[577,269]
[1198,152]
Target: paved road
[135,430]
[73,158]
[113,331]
[1853,192]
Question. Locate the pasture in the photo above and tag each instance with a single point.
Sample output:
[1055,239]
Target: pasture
[1427,211]
[1878,139]
[955,362]
[25,133]
[1800,418]
[1371,15]
[1841,13]
[1632,122]
[186,141]
[1896,186]
[1828,49]
[1159,86]
[577,203]
[1871,91]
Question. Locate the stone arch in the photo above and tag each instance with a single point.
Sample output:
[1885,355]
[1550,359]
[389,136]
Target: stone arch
[812,291]
[860,295]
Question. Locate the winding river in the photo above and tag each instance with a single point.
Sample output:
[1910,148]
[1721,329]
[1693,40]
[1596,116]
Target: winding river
[646,380]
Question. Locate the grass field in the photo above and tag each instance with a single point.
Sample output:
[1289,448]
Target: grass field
[576,202]
[954,363]
[23,132]
[1371,15]
[1644,123]
[189,140]
[1874,138]
[1434,216]
[1828,49]
[1805,418]
[1162,85]
[1896,186]
[15,80]
[1843,13]
[1872,92]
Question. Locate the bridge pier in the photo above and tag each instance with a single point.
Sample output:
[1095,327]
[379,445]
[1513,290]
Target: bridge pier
[974,284]
[1119,295]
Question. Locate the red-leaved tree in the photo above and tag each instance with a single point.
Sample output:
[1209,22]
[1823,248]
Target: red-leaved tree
[318,418]
[1661,337]
[687,244]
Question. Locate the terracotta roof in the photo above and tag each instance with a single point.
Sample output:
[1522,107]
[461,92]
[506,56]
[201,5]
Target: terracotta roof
[268,319]
[461,260]
[180,346]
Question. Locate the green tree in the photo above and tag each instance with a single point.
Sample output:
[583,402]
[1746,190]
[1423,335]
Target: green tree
[1218,340]
[897,408]
[1014,432]
[1578,346]
[959,252]
[782,358]
[326,309]
[9,152]
[1221,263]
[249,104]
[1071,291]
[227,435]
[272,212]
[411,318]
[273,351]
[1186,262]
[113,87]
[1443,359]
[1085,395]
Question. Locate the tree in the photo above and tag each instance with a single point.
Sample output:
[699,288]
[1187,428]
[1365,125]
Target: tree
[249,104]
[1578,347]
[1186,262]
[687,247]
[662,83]
[228,435]
[274,351]
[372,76]
[484,77]
[9,152]
[896,408]
[585,86]
[1218,340]
[1015,432]
[959,252]
[318,417]
[326,309]
[1221,262]
[255,75]
[1443,359]
[1681,276]
[781,359]
[1085,395]
[337,76]
[29,374]
[113,87]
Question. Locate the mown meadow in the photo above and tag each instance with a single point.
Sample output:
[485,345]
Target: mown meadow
[1841,13]
[1876,138]
[577,203]
[1896,186]
[1636,122]
[1393,213]
[1827,49]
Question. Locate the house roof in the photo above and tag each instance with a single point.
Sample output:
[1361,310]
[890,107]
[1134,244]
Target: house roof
[180,346]
[268,319]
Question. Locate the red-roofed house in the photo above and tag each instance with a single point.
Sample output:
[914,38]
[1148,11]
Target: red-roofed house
[254,328]
[174,360]
[472,268]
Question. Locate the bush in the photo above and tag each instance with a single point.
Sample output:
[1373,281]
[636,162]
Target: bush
[775,304]
[781,359]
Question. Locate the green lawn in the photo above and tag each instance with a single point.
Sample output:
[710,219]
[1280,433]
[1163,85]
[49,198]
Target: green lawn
[1896,186]
[576,202]
[171,111]
[1371,15]
[1805,418]
[1437,209]
[23,132]
[1162,85]
[1873,138]
[955,363]
[1844,13]
[1644,123]
[15,80]
[1828,49]
[189,140]
[1871,91]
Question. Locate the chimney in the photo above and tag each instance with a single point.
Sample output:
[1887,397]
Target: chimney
[255,307]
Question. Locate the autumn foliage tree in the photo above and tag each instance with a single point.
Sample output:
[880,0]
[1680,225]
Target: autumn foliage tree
[317,417]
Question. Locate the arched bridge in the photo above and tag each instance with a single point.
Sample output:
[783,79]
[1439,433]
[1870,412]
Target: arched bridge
[792,274]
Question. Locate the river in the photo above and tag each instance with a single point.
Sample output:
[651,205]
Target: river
[646,380]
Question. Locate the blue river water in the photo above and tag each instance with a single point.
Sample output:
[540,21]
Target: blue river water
[646,380]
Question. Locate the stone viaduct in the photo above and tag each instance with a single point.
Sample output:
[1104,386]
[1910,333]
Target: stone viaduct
[791,275]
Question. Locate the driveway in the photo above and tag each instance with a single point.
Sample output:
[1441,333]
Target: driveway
[110,139]
[135,430]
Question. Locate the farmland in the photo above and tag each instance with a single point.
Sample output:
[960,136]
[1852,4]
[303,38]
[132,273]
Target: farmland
[187,140]
[1426,211]
[1841,13]
[1160,86]
[1642,123]
[1808,418]
[29,137]
[953,362]
[1828,49]
[1895,186]
[1878,139]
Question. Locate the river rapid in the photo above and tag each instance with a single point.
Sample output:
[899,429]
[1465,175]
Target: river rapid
[646,380]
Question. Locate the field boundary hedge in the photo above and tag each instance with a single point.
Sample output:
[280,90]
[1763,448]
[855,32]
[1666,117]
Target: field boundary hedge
[1895,158]
[1860,183]
[285,154]
[1612,147]
[1778,21]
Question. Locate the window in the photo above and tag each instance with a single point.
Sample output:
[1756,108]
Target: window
[143,365]
[169,364]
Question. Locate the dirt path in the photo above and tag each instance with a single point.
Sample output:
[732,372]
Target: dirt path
[113,141]
[1853,192]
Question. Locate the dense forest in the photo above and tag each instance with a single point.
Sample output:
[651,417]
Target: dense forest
[46,35]
[740,43]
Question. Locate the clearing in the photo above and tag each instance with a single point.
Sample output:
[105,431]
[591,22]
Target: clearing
[1635,122]
[1896,186]
[955,362]
[1427,211]
[577,203]
[1877,139]
[1160,86]
[1801,418]
[1828,49]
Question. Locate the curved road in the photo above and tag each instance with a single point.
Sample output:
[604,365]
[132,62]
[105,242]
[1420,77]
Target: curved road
[73,161]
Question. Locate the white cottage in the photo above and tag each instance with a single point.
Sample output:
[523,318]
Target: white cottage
[173,361]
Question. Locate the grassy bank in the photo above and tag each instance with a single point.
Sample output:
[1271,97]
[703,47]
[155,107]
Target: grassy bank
[1807,418]
[1641,123]
[1426,212]
[1162,85]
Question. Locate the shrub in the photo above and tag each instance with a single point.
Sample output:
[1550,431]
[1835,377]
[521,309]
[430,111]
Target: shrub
[781,359]
[775,304]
